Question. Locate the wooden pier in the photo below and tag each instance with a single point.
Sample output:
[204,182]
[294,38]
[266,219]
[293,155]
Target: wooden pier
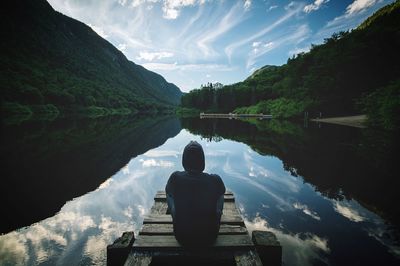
[156,243]
[235,116]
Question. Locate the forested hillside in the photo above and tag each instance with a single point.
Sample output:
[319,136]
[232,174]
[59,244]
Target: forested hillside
[351,72]
[51,62]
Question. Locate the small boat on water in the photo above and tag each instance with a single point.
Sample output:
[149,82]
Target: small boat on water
[156,243]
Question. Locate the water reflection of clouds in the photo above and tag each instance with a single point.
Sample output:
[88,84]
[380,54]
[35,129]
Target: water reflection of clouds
[125,170]
[299,249]
[156,163]
[261,184]
[162,153]
[108,181]
[231,172]
[305,209]
[372,224]
[282,179]
[345,209]
[381,235]
[91,221]
[217,153]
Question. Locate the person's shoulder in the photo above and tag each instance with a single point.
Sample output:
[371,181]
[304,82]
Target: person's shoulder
[172,181]
[214,177]
[217,181]
[177,174]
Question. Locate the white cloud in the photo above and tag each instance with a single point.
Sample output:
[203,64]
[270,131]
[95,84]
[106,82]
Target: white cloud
[122,2]
[125,170]
[99,30]
[297,51]
[247,4]
[187,67]
[171,8]
[150,56]
[128,212]
[231,19]
[272,7]
[306,210]
[259,46]
[13,249]
[291,11]
[268,44]
[355,13]
[230,171]
[121,47]
[359,6]
[108,182]
[347,211]
[314,6]
[94,247]
[154,163]
[162,153]
[308,247]
[296,37]
[381,235]
[136,3]
[289,6]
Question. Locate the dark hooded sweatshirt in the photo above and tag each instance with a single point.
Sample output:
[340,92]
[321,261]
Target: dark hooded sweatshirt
[195,195]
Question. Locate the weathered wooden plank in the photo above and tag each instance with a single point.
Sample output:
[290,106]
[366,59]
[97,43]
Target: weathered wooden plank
[230,209]
[163,197]
[166,218]
[167,229]
[249,258]
[192,256]
[151,243]
[159,208]
[160,192]
[138,259]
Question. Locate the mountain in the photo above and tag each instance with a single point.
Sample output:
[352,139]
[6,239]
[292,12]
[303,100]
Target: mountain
[351,72]
[49,59]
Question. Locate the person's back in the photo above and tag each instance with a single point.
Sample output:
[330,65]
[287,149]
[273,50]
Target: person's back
[195,199]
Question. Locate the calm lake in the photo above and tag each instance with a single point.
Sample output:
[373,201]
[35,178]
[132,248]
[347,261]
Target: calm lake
[71,187]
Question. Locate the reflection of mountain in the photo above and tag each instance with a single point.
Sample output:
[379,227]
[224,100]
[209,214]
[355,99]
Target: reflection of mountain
[339,161]
[44,165]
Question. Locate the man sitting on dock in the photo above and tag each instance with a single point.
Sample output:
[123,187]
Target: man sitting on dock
[195,199]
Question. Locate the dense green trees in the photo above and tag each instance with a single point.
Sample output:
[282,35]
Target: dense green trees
[49,58]
[333,78]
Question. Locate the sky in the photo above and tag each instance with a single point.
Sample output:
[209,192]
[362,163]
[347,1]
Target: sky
[193,42]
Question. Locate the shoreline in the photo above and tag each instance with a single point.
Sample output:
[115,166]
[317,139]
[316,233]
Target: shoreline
[352,121]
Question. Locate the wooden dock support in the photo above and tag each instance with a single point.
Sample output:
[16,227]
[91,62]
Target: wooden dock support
[235,116]
[156,243]
[118,252]
[268,247]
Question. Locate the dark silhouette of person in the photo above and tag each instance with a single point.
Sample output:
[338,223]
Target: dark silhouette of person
[195,199]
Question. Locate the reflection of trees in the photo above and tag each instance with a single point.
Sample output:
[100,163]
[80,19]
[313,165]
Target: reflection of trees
[339,161]
[44,164]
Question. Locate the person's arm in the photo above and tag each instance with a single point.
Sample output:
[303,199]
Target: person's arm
[220,201]
[169,190]
[221,186]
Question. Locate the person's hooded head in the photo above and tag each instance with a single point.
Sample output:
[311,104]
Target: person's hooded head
[193,157]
